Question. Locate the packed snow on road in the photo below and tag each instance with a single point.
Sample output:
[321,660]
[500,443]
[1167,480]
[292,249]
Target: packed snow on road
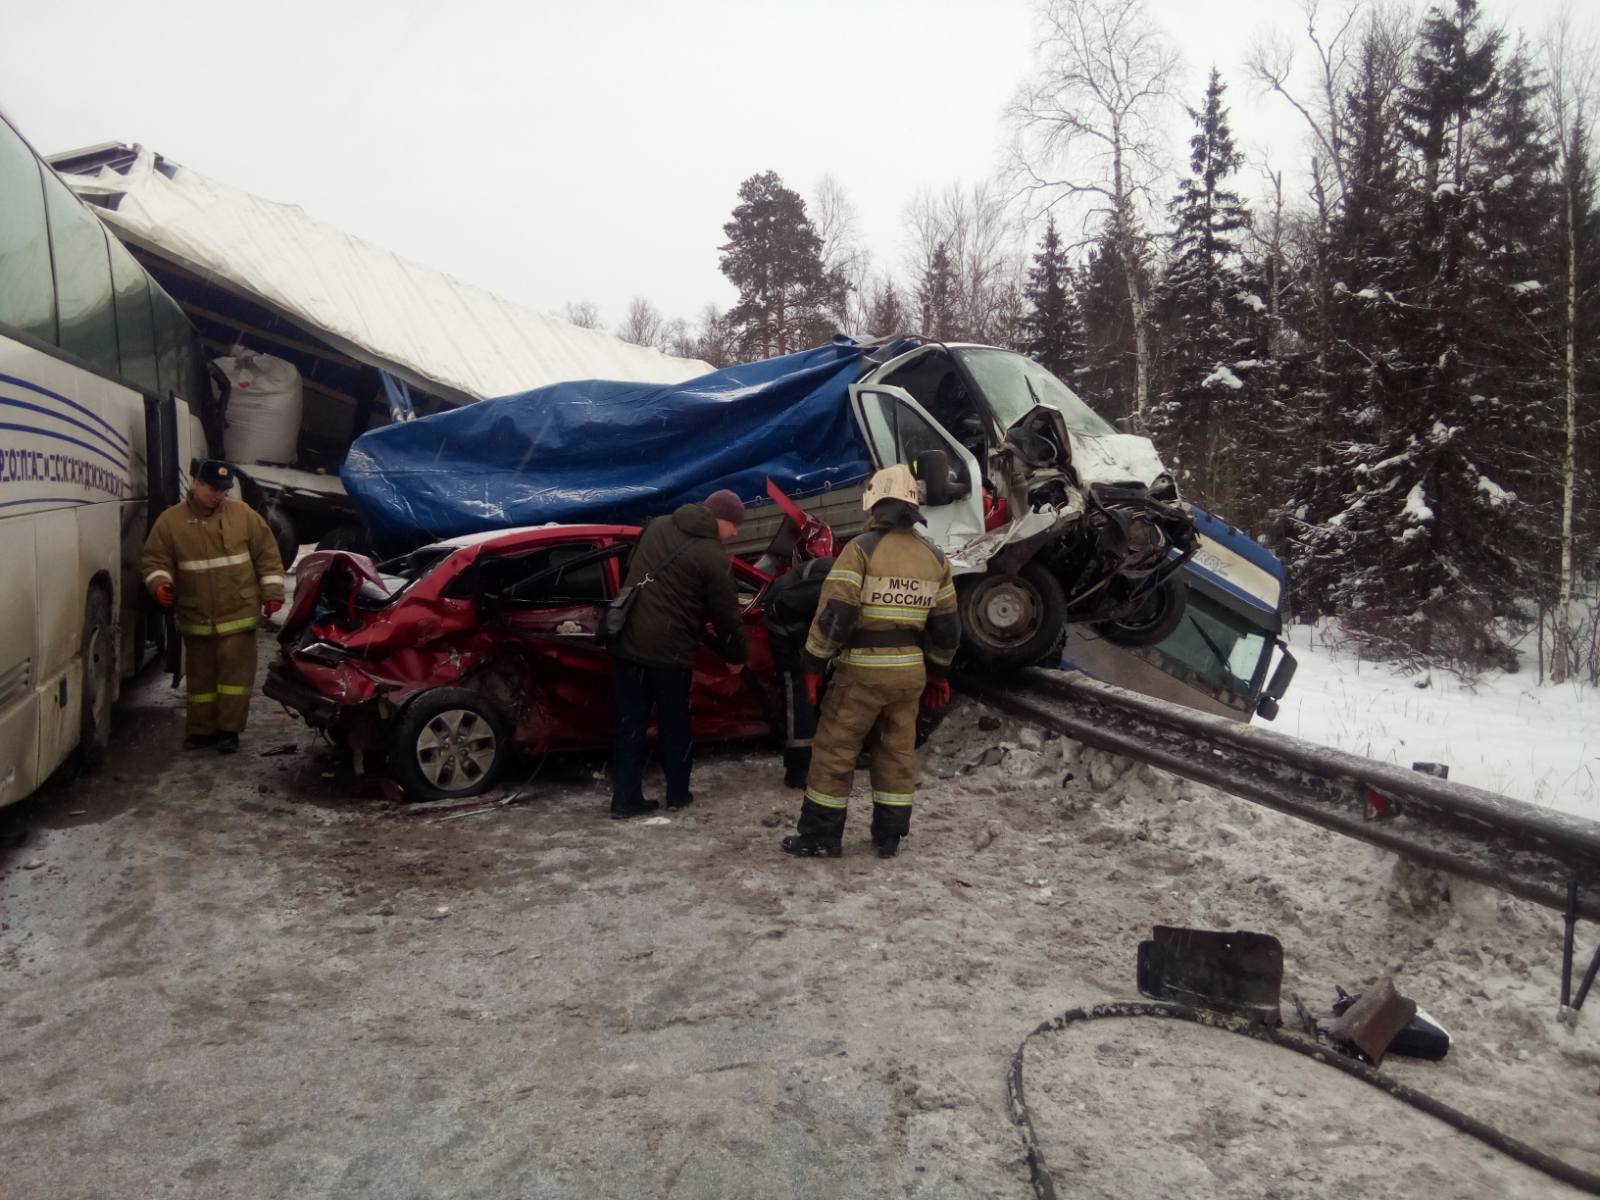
[303,990]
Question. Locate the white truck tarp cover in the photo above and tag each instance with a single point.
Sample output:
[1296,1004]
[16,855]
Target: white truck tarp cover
[451,338]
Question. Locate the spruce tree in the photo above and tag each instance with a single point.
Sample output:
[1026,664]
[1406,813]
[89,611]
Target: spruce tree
[1577,465]
[1346,387]
[1514,310]
[1109,375]
[886,312]
[1052,326]
[1204,414]
[1434,534]
[936,296]
[774,257]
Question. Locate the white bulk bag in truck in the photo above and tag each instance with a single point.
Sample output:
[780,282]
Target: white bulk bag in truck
[263,408]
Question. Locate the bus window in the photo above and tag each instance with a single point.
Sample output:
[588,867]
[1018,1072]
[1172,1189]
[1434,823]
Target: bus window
[172,333]
[27,292]
[84,298]
[196,389]
[136,332]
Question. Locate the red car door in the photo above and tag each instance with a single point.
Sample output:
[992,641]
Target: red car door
[735,707]
[547,603]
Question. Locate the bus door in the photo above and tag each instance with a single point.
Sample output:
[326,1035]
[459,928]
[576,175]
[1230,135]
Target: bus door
[162,417]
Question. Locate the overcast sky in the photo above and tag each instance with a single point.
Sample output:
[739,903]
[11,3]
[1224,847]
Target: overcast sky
[564,151]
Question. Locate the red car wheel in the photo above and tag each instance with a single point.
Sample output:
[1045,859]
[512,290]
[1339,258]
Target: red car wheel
[449,743]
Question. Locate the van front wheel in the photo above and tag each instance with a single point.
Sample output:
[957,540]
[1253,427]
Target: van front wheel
[1012,621]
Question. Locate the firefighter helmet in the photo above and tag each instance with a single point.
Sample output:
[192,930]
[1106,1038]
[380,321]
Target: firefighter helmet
[892,483]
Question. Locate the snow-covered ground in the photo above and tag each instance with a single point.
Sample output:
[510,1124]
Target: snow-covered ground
[1506,733]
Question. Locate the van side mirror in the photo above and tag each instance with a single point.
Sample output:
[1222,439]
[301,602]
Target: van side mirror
[1267,707]
[932,470]
[1278,685]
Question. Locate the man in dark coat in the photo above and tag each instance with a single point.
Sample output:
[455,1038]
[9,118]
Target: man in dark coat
[683,579]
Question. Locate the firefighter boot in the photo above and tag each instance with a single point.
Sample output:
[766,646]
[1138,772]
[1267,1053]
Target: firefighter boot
[810,847]
[818,833]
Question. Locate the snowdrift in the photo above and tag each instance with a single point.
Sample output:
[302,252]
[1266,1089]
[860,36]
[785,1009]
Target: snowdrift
[605,451]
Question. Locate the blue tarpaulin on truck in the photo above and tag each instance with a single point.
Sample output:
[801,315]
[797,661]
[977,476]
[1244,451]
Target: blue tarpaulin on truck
[600,451]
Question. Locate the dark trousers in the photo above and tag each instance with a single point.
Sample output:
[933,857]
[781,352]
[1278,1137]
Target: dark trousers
[799,720]
[639,690]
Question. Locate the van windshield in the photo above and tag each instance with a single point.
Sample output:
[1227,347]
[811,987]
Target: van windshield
[1013,385]
[1222,648]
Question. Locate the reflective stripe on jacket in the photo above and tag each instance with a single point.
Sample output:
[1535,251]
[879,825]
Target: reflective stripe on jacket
[223,566]
[887,610]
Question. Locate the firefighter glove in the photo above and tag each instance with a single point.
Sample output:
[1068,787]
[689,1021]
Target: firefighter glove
[936,695]
[165,596]
[813,686]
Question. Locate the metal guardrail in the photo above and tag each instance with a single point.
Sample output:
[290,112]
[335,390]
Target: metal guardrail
[1507,844]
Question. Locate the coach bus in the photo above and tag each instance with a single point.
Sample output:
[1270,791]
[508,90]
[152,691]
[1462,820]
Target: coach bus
[1220,659]
[99,371]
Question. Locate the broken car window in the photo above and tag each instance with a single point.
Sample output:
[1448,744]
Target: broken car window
[572,573]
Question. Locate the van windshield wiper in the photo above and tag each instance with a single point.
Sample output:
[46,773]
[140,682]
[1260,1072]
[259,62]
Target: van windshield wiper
[1216,650]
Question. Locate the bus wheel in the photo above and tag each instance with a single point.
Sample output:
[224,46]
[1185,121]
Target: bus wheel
[99,649]
[1012,621]
[1157,617]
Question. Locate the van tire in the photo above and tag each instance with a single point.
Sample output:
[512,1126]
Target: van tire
[98,648]
[1009,622]
[351,537]
[283,532]
[1160,615]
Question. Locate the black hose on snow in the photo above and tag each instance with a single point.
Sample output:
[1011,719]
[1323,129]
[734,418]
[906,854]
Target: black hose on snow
[1044,1186]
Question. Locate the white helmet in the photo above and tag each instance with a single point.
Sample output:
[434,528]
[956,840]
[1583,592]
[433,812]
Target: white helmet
[892,483]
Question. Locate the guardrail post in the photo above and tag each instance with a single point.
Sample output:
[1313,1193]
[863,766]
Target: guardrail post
[1588,980]
[1567,942]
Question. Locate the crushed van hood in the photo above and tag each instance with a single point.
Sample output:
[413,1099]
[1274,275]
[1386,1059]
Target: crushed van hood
[1116,458]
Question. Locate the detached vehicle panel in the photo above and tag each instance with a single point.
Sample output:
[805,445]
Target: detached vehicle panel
[458,655]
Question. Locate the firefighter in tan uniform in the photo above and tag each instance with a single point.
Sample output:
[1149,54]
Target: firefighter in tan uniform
[887,620]
[216,561]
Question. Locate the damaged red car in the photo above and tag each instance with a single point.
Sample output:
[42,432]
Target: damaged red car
[448,662]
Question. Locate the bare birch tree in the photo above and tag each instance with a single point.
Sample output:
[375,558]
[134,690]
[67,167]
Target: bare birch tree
[1572,63]
[585,314]
[1267,236]
[714,338]
[833,215]
[1332,31]
[642,325]
[1089,129]
[971,229]
[1338,33]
